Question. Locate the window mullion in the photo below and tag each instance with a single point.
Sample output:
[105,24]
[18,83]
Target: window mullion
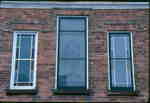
[129,58]
[72,58]
[72,31]
[25,59]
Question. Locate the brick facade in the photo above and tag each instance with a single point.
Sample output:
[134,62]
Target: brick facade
[100,22]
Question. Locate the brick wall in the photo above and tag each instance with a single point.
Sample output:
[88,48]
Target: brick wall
[100,22]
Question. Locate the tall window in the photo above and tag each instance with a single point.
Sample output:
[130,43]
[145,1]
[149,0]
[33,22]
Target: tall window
[24,60]
[120,61]
[72,53]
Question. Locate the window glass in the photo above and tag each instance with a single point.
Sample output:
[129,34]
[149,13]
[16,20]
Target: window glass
[72,73]
[72,45]
[121,73]
[120,46]
[120,60]
[71,52]
[72,24]
[23,71]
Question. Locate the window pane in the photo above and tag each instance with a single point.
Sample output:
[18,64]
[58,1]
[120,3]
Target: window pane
[33,46]
[23,79]
[72,45]
[32,70]
[25,46]
[23,68]
[72,24]
[72,73]
[121,73]
[120,46]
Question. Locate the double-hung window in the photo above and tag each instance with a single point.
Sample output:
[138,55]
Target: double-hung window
[23,72]
[120,61]
[72,59]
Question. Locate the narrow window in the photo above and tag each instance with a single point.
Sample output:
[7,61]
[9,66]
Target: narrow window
[24,60]
[120,62]
[72,53]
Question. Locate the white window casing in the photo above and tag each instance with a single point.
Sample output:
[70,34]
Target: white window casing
[13,68]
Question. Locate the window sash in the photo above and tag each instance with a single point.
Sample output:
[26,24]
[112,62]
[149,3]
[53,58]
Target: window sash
[60,59]
[29,81]
[19,69]
[121,73]
[71,75]
[117,50]
[129,76]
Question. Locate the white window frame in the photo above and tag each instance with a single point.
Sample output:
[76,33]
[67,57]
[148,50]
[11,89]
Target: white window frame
[12,86]
[132,58]
[57,46]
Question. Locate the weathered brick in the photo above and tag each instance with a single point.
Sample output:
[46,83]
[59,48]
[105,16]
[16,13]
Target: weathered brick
[100,22]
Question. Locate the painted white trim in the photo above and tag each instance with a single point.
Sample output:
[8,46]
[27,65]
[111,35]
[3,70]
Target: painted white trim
[14,59]
[35,60]
[87,52]
[57,46]
[133,71]
[75,5]
[131,44]
[108,82]
[57,23]
[24,59]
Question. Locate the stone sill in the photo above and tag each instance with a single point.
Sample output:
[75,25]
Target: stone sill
[122,93]
[71,92]
[21,91]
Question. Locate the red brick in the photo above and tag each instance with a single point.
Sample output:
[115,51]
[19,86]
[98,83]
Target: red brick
[44,21]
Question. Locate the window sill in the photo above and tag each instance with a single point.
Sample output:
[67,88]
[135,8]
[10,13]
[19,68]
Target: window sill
[70,92]
[21,91]
[123,93]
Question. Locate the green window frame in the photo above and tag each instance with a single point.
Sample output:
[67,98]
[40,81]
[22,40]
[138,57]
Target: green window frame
[72,32]
[121,67]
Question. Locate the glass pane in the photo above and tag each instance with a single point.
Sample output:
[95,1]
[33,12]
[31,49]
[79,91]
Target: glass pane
[33,46]
[121,73]
[25,47]
[18,41]
[120,46]
[18,46]
[23,70]
[32,71]
[72,44]
[16,71]
[72,24]
[71,73]
[33,52]
[17,53]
